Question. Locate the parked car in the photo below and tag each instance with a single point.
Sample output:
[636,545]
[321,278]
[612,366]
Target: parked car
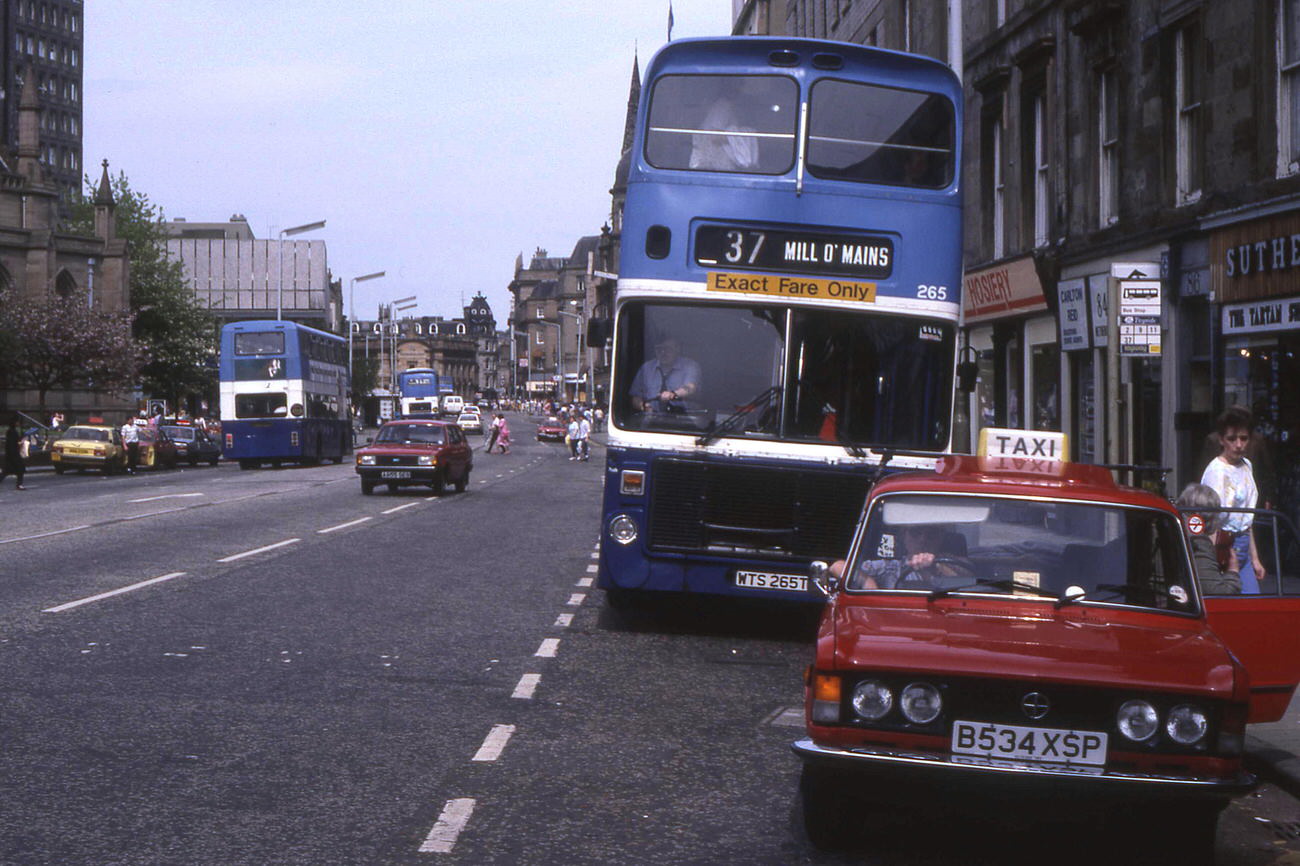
[470,422]
[416,451]
[89,446]
[552,430]
[1028,628]
[193,444]
[157,449]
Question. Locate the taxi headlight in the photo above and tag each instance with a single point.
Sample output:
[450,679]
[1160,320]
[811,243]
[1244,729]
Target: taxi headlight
[366,460]
[1137,720]
[426,460]
[921,703]
[623,529]
[872,699]
[1186,725]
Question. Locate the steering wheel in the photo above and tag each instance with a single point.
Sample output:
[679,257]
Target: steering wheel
[927,580]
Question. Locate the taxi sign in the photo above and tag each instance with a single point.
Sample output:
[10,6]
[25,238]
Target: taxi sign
[1023,444]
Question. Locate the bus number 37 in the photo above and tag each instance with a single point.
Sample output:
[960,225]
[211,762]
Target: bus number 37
[736,246]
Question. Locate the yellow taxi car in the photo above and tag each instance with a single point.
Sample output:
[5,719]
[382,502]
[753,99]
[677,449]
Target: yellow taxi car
[89,446]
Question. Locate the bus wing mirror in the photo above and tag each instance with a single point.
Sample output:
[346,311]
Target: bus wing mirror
[598,332]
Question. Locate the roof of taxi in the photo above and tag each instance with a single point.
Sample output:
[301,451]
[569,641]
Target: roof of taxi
[1019,477]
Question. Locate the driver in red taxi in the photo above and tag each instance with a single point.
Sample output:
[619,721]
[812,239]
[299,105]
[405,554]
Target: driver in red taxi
[928,552]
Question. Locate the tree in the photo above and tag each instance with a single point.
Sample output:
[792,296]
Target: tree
[179,334]
[54,342]
[365,378]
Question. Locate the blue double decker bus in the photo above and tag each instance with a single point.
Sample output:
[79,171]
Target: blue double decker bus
[418,392]
[284,394]
[786,309]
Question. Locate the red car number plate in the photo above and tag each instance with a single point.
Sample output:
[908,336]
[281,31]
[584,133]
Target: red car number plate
[1053,745]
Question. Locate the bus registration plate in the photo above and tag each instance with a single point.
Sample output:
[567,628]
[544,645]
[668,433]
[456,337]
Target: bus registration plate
[768,580]
[1013,742]
[395,473]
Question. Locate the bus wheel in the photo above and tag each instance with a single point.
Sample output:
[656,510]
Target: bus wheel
[463,482]
[367,487]
[248,464]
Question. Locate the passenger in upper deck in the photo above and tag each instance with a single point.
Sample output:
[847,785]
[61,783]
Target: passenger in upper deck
[665,381]
[713,151]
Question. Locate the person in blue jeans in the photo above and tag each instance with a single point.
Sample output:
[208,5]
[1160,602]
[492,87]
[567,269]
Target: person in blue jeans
[1232,477]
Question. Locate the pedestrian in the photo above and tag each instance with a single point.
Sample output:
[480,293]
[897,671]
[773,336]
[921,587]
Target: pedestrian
[503,435]
[584,437]
[600,419]
[131,442]
[1232,477]
[495,432]
[13,462]
[571,438]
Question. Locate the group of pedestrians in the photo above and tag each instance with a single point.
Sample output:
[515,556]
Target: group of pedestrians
[578,436]
[499,434]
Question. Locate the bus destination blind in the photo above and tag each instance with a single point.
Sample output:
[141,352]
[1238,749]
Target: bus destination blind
[793,252]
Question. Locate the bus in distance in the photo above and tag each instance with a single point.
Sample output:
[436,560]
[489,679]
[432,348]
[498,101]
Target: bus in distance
[418,393]
[786,309]
[284,394]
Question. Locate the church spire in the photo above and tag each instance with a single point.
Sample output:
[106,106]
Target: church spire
[633,101]
[105,207]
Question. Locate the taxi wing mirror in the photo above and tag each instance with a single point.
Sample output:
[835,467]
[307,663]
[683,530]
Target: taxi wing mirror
[819,573]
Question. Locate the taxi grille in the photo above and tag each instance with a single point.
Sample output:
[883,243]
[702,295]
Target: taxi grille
[765,512]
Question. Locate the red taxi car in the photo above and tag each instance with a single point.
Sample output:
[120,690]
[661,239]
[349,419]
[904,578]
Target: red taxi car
[552,430]
[416,451]
[1031,629]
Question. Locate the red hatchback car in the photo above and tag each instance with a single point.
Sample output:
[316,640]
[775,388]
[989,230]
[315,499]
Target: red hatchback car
[1031,629]
[415,451]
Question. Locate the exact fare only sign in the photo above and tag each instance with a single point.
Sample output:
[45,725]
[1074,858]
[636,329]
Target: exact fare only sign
[795,287]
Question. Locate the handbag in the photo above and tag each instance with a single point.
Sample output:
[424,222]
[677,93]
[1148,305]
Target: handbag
[1223,548]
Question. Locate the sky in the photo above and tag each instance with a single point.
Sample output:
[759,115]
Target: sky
[438,139]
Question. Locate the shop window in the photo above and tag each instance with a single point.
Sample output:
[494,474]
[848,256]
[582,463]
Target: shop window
[1045,362]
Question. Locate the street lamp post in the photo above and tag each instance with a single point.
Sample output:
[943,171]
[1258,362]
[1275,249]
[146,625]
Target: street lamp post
[394,307]
[577,354]
[352,314]
[295,230]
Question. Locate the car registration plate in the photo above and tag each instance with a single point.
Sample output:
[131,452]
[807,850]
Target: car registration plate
[768,580]
[1012,742]
[394,473]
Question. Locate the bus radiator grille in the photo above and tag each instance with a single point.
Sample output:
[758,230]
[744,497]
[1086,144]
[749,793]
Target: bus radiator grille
[768,512]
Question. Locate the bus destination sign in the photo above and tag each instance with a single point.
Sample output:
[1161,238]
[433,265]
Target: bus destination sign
[798,252]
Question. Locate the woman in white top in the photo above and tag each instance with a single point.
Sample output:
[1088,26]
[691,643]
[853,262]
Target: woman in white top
[1232,477]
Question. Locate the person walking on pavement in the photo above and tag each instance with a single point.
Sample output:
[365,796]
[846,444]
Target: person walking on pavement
[584,437]
[503,434]
[131,442]
[571,437]
[13,461]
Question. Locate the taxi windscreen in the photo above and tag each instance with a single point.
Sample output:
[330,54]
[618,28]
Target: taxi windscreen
[1067,552]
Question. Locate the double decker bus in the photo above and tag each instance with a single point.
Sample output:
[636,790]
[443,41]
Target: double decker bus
[786,310]
[284,394]
[418,390]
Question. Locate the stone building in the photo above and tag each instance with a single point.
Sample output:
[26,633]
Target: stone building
[39,258]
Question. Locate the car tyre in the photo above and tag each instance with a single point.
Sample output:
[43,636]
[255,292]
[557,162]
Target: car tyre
[438,484]
[194,461]
[59,470]
[463,482]
[248,464]
[213,461]
[829,817]
[367,487]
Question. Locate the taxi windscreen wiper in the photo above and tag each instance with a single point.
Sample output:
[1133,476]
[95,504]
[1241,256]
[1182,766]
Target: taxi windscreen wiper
[728,424]
[1002,584]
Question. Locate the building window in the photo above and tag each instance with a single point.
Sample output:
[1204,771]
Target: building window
[999,12]
[1036,158]
[1107,148]
[1288,87]
[993,178]
[1187,104]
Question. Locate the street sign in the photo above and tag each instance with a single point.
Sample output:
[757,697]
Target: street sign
[1139,317]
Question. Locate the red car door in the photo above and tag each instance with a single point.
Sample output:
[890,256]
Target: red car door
[1263,630]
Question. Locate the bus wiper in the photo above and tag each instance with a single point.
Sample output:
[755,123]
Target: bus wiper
[1002,584]
[850,446]
[717,431]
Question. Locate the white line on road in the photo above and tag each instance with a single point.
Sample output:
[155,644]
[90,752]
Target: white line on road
[165,496]
[595,554]
[564,620]
[586,581]
[45,534]
[258,550]
[576,599]
[400,507]
[549,648]
[454,817]
[79,602]
[151,514]
[495,743]
[527,685]
[343,525]
[593,568]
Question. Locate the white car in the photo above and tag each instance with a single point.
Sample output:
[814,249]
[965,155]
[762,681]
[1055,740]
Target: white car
[470,407]
[470,422]
[453,404]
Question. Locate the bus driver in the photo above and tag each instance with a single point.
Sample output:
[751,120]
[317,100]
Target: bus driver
[666,380]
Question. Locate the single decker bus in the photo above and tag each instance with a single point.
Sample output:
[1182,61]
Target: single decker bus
[418,392]
[786,309]
[284,394]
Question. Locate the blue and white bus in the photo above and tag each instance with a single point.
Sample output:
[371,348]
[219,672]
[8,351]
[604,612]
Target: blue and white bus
[786,308]
[284,394]
[418,391]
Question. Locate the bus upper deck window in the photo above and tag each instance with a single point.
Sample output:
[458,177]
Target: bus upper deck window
[725,123]
[885,135]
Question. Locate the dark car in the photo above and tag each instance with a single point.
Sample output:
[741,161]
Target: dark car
[416,451]
[552,430]
[193,444]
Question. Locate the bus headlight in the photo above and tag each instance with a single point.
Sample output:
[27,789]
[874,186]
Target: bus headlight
[1186,725]
[1137,720]
[296,410]
[623,529]
[365,460]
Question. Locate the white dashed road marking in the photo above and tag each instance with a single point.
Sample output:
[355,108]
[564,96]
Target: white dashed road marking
[586,581]
[343,525]
[454,817]
[45,534]
[400,507]
[165,496]
[549,648]
[495,743]
[527,685]
[258,550]
[78,603]
[564,620]
[576,599]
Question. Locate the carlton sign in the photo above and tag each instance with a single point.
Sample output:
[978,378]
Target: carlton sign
[1004,290]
